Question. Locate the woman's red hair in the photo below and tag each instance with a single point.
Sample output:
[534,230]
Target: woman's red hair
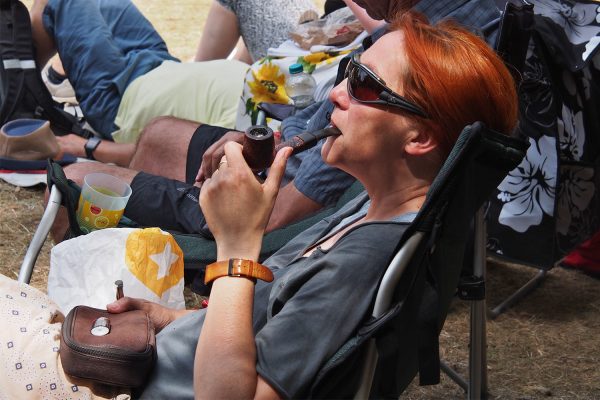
[456,78]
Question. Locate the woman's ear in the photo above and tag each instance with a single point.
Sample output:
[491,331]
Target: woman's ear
[420,143]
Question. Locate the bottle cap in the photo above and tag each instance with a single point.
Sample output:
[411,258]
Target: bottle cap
[296,68]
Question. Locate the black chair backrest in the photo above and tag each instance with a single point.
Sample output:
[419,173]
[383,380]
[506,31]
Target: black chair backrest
[407,334]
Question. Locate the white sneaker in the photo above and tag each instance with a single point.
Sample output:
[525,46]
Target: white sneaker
[61,92]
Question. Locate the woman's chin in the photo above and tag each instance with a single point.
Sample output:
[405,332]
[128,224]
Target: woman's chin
[326,150]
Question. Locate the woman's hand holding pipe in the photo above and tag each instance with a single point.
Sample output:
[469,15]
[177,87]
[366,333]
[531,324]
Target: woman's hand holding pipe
[212,155]
[237,206]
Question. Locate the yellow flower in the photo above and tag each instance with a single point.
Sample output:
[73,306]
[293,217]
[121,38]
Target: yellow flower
[268,85]
[315,58]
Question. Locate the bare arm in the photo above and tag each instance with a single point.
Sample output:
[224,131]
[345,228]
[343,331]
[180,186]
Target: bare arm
[290,206]
[225,361]
[220,35]
[107,152]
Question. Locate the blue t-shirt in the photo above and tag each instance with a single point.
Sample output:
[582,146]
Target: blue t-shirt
[324,184]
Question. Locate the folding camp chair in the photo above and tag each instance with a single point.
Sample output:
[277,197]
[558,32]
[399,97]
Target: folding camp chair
[417,288]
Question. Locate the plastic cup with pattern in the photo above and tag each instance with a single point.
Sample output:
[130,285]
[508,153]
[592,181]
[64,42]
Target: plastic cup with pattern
[102,201]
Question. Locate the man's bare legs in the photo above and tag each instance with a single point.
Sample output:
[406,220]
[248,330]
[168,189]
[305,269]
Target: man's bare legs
[163,146]
[44,44]
[161,150]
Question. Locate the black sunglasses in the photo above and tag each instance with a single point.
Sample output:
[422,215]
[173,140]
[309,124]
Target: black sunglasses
[366,87]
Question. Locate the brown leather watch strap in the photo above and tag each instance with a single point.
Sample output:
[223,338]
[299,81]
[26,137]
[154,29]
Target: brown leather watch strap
[237,267]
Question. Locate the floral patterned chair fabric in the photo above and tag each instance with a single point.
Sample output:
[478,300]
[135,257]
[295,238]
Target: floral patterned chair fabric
[550,202]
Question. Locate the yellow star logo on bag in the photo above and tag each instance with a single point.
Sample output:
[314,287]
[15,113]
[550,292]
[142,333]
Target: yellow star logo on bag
[155,258]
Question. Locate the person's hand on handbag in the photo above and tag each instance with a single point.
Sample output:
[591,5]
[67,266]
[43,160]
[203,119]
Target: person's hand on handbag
[237,206]
[160,316]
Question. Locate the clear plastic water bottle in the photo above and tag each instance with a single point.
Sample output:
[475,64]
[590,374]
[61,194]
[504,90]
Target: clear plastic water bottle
[300,86]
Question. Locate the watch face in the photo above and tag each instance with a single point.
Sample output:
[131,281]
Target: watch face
[91,145]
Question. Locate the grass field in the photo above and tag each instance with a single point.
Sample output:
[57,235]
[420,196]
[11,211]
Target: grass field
[545,347]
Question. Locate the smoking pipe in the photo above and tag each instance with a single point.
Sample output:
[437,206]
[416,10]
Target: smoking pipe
[259,144]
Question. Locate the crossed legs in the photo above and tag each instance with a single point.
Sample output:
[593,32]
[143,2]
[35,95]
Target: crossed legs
[163,146]
[161,150]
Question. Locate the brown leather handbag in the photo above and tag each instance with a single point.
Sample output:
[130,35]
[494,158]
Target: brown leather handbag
[113,349]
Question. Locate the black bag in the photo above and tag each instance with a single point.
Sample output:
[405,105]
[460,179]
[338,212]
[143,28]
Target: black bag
[23,94]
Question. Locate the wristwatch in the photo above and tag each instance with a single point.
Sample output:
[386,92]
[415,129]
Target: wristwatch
[90,146]
[237,267]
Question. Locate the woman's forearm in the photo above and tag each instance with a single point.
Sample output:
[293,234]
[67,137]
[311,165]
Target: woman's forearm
[225,362]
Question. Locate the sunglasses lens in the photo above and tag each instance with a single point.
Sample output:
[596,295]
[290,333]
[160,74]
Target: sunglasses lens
[362,85]
[365,86]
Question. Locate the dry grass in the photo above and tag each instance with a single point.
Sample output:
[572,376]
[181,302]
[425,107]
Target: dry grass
[545,347]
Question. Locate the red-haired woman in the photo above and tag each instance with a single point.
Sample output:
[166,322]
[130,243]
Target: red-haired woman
[400,109]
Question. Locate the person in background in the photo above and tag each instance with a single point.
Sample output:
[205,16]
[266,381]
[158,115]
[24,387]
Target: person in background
[118,66]
[259,24]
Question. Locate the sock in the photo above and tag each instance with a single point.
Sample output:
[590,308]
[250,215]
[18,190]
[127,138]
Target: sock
[54,76]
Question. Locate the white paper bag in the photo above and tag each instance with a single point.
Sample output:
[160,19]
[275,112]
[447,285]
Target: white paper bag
[83,270]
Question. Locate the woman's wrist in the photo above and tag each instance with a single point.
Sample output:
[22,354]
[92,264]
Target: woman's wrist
[237,267]
[242,255]
[241,250]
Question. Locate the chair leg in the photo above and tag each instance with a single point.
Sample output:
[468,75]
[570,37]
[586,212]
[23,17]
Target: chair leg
[523,291]
[478,345]
[39,237]
[368,371]
[476,386]
[478,354]
[455,376]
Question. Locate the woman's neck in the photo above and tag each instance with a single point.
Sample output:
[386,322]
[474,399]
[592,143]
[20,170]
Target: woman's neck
[391,202]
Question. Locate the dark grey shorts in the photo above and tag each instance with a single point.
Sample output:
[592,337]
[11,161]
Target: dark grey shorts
[169,204]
